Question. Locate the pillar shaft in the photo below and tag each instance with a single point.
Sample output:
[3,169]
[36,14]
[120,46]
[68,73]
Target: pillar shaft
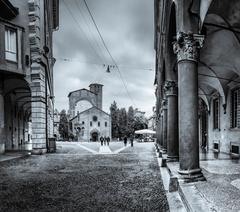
[164,125]
[172,119]
[187,47]
[2,125]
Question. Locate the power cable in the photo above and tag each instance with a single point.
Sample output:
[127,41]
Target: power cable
[104,65]
[89,29]
[78,24]
[95,24]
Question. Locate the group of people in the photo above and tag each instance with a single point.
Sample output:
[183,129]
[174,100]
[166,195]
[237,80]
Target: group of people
[125,139]
[105,140]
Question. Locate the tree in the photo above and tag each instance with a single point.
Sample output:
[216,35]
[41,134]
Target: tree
[114,117]
[130,120]
[122,120]
[63,125]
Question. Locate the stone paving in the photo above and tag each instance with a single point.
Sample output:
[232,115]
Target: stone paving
[221,190]
[74,179]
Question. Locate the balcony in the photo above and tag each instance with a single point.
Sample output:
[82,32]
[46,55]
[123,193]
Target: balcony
[7,10]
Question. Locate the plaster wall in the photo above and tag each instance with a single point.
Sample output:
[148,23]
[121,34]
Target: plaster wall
[225,134]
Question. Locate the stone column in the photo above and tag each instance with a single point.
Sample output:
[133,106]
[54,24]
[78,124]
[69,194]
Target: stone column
[160,130]
[170,88]
[187,49]
[2,125]
[164,125]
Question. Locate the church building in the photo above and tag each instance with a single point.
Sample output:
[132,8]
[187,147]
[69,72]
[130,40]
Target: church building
[92,123]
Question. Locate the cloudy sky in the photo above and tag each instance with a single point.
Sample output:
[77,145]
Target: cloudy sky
[127,28]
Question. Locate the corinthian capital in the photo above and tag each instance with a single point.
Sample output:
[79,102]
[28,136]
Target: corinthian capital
[187,46]
[164,104]
[170,88]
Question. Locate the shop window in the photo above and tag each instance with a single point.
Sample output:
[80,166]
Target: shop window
[216,114]
[11,44]
[235,108]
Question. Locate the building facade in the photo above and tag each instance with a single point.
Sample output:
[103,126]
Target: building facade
[90,124]
[197,78]
[26,73]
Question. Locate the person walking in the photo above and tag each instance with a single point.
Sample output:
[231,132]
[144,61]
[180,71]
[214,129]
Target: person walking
[131,140]
[108,140]
[101,140]
[104,140]
[125,140]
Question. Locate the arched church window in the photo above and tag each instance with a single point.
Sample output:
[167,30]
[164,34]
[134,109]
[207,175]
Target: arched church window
[90,124]
[105,124]
[99,123]
[95,118]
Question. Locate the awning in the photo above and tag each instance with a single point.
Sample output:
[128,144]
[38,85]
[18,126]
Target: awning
[145,131]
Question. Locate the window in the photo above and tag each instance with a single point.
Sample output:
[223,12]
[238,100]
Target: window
[90,124]
[10,44]
[83,122]
[105,124]
[235,108]
[216,114]
[99,124]
[95,118]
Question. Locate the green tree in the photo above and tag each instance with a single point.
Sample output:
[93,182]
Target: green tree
[63,125]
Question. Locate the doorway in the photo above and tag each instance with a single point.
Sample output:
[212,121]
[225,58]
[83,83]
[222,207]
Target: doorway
[94,136]
[203,125]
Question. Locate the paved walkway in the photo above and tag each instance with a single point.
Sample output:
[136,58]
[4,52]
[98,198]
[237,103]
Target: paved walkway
[221,190]
[12,155]
[102,149]
[75,179]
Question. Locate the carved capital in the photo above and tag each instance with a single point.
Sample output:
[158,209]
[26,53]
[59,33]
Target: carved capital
[164,104]
[187,46]
[170,88]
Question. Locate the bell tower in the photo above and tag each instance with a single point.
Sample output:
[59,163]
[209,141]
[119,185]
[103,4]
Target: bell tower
[97,89]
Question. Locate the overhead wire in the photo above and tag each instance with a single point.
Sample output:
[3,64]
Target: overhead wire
[104,44]
[89,29]
[104,65]
[79,27]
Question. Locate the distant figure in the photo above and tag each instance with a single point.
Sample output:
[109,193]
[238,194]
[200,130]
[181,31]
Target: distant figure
[125,140]
[131,140]
[105,140]
[101,139]
[108,140]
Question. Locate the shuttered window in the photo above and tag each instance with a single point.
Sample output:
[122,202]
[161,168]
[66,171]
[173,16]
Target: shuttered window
[235,108]
[216,114]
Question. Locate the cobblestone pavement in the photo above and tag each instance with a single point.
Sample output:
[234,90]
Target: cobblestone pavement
[74,179]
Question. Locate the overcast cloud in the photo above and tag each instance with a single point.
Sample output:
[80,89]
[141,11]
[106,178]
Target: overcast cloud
[127,28]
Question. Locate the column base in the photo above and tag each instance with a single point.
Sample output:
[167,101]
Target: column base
[163,150]
[192,175]
[38,151]
[172,158]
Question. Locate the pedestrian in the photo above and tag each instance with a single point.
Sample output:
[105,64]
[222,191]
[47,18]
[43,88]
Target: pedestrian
[105,140]
[131,140]
[108,140]
[125,140]
[101,140]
